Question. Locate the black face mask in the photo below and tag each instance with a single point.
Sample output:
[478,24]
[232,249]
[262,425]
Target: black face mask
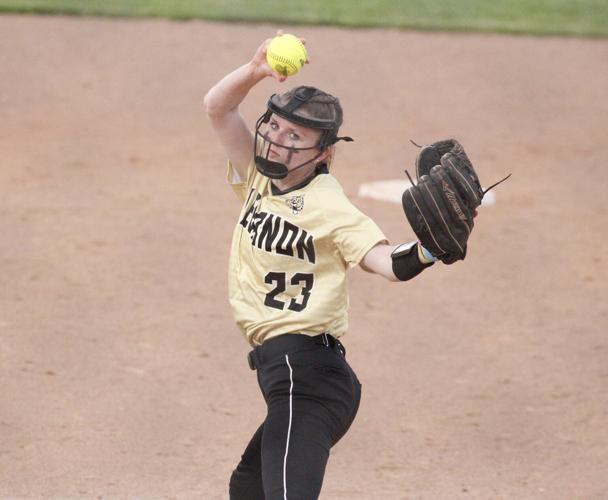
[328,128]
[275,169]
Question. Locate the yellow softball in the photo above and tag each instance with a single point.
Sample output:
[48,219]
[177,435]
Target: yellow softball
[286,54]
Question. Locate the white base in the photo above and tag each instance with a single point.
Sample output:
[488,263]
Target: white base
[392,190]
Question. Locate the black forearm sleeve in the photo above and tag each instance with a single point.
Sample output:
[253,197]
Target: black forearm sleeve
[406,263]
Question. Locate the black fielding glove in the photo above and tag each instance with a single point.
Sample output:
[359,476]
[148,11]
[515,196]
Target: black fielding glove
[442,206]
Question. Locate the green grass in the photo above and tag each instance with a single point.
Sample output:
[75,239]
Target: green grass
[540,17]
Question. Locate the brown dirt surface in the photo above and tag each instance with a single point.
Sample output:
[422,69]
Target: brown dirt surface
[122,374]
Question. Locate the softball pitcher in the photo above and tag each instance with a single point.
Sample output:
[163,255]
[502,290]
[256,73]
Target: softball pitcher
[295,238]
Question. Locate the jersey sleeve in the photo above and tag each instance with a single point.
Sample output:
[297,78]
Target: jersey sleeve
[355,233]
[241,186]
[238,185]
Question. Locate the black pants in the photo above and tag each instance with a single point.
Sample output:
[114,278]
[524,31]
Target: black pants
[312,396]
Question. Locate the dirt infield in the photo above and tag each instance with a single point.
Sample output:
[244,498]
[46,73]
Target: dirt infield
[122,374]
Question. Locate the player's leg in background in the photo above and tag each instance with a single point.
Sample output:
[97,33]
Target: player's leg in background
[246,480]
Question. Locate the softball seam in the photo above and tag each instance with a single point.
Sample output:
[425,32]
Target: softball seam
[283,60]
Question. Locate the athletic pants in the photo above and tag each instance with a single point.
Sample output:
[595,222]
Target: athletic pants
[312,396]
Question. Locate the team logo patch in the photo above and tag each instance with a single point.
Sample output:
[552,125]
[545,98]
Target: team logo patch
[296,203]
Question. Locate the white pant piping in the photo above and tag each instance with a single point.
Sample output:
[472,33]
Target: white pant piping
[288,428]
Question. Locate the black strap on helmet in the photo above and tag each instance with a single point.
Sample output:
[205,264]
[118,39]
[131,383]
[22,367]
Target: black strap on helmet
[287,112]
[300,97]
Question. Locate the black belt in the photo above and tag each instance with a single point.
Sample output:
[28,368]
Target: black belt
[290,342]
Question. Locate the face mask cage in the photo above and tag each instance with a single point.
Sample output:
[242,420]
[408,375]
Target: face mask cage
[262,144]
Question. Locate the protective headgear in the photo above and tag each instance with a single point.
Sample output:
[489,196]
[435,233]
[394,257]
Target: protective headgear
[328,126]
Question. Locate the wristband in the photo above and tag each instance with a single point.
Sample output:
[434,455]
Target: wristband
[406,262]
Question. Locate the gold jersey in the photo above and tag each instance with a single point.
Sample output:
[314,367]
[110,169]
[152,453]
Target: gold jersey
[290,255]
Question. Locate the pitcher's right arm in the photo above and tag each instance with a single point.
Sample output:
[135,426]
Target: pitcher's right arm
[221,104]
